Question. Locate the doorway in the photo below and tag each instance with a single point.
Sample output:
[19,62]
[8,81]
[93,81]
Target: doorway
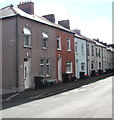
[26,73]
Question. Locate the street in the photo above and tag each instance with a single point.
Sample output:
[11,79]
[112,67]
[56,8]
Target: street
[89,101]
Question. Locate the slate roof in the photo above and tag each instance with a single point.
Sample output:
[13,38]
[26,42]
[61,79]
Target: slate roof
[10,11]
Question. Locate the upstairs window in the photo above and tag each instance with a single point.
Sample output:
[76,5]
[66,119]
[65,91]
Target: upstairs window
[76,47]
[45,40]
[88,49]
[27,37]
[58,43]
[82,48]
[92,50]
[68,45]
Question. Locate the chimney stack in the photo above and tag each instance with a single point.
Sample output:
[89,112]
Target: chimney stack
[27,7]
[64,23]
[50,17]
[77,31]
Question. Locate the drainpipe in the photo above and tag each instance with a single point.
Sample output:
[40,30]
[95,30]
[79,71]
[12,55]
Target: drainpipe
[17,72]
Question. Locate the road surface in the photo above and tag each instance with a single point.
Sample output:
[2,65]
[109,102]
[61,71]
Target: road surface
[89,101]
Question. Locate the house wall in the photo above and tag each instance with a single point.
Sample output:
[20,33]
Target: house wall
[91,58]
[109,59]
[67,56]
[8,55]
[36,52]
[80,57]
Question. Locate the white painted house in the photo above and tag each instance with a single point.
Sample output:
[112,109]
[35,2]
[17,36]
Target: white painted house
[80,55]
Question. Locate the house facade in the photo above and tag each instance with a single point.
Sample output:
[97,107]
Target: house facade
[91,56]
[99,57]
[65,54]
[80,55]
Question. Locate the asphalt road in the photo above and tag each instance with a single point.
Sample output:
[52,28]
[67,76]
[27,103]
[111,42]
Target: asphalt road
[90,101]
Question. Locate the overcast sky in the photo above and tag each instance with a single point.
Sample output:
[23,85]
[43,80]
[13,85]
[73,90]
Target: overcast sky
[92,17]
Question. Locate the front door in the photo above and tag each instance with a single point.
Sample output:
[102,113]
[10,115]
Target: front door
[59,69]
[26,73]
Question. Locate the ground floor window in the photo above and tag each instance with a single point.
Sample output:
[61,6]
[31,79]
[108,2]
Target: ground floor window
[68,67]
[45,67]
[82,66]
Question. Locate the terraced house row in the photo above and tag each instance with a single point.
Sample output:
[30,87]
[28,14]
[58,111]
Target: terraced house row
[36,46]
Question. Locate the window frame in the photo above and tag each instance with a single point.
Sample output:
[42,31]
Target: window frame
[68,45]
[47,66]
[59,43]
[28,40]
[71,67]
[45,40]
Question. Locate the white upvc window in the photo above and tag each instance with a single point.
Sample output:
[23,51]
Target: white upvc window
[58,43]
[47,68]
[27,37]
[82,48]
[68,45]
[69,67]
[45,40]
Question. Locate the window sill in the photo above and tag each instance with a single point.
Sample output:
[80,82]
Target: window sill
[30,47]
[69,72]
[69,50]
[45,48]
[59,49]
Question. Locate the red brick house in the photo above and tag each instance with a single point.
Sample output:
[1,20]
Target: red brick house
[65,54]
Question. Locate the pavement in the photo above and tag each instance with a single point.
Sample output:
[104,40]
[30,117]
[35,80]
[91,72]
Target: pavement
[10,100]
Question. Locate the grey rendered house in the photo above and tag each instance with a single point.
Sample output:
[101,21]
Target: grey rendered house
[28,49]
